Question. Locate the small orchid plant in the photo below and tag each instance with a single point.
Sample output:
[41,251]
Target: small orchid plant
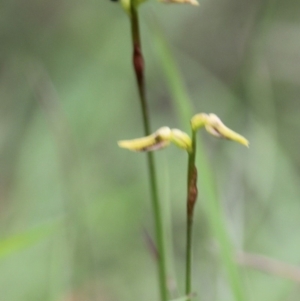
[161,139]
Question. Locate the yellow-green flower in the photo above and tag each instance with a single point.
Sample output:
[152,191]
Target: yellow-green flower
[164,136]
[216,127]
[158,140]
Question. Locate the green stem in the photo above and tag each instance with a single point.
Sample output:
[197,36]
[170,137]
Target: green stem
[192,192]
[139,68]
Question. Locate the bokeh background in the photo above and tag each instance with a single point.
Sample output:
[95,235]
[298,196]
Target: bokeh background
[75,215]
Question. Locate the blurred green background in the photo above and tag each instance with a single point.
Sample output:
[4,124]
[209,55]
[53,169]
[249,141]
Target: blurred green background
[75,209]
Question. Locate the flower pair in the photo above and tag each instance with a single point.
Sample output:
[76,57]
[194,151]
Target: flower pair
[164,136]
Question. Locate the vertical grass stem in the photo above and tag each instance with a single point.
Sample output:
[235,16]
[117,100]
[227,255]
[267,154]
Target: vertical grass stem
[139,68]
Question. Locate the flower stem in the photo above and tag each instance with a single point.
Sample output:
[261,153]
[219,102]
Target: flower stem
[139,68]
[192,193]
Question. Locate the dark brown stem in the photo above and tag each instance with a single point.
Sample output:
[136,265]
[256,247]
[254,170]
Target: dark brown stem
[139,65]
[192,193]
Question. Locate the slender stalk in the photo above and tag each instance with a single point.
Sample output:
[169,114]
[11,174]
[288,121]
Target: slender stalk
[139,68]
[192,193]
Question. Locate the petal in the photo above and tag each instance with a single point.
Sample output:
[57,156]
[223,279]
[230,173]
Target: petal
[181,139]
[216,127]
[199,121]
[156,141]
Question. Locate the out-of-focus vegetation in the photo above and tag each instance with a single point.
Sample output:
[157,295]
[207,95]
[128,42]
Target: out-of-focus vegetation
[75,208]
